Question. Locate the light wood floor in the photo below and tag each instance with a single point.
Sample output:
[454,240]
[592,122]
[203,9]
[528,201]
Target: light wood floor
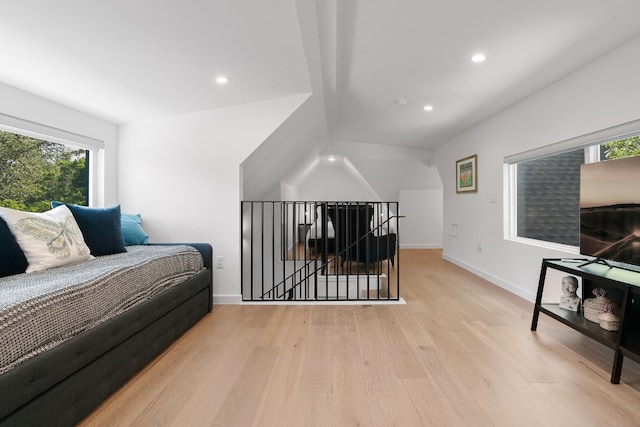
[459,353]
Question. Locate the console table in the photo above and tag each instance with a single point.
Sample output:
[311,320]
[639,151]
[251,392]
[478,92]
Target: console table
[622,287]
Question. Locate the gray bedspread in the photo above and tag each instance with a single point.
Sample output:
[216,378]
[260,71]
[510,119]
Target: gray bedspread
[41,310]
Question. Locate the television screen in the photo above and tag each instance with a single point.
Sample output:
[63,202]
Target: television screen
[610,210]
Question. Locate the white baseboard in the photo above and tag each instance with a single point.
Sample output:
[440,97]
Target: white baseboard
[420,246]
[523,293]
[227,299]
[399,301]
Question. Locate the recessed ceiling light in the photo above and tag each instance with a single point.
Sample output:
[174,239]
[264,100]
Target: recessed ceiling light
[478,57]
[428,108]
[222,80]
[331,159]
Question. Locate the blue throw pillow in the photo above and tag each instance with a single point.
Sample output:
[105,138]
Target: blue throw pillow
[12,259]
[100,228]
[132,231]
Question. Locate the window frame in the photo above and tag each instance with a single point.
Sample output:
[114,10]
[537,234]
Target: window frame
[589,142]
[93,146]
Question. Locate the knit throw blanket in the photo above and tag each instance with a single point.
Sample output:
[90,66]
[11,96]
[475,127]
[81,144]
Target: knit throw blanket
[41,310]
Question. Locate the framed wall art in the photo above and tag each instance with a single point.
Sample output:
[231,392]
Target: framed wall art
[467,175]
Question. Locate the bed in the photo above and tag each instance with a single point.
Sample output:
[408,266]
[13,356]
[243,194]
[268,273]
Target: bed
[74,333]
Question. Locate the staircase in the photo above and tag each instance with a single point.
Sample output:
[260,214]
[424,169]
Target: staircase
[286,256]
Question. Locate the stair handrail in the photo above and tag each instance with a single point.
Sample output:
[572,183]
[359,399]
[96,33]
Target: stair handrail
[324,264]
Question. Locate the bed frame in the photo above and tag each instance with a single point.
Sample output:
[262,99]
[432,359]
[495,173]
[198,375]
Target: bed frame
[63,385]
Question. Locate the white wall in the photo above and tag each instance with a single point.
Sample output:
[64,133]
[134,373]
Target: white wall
[289,144]
[377,172]
[389,176]
[603,94]
[182,174]
[422,226]
[416,186]
[27,106]
[335,181]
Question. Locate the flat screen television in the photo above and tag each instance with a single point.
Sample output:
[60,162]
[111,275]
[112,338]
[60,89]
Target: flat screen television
[610,211]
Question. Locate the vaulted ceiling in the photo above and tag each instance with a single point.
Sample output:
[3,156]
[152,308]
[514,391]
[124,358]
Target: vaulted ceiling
[125,60]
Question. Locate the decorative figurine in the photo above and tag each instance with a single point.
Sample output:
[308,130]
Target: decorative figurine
[569,300]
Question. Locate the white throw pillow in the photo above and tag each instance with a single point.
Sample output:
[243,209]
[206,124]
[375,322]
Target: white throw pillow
[48,239]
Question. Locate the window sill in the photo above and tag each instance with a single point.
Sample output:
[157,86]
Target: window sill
[545,245]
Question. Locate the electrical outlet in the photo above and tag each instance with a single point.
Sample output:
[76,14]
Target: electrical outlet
[220,262]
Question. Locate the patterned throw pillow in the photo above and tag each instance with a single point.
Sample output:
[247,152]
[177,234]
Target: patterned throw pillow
[48,239]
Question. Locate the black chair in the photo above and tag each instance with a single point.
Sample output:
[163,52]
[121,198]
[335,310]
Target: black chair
[355,240]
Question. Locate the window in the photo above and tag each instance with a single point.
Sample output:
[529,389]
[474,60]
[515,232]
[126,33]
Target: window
[40,163]
[34,171]
[544,184]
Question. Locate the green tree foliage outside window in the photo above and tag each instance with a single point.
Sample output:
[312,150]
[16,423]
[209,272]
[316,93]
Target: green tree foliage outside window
[33,172]
[629,147]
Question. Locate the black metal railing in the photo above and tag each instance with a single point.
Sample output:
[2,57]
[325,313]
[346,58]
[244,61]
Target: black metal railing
[319,251]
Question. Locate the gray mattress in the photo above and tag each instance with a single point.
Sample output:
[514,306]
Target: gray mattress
[41,310]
